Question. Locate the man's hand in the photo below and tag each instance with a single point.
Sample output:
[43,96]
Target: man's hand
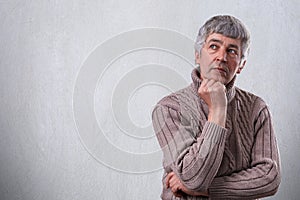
[178,189]
[173,182]
[214,94]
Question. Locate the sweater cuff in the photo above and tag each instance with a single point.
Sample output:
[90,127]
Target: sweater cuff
[214,132]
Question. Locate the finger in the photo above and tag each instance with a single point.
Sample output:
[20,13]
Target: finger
[210,84]
[174,189]
[204,82]
[183,188]
[218,85]
[207,84]
[169,176]
[203,86]
[175,183]
[172,182]
[167,181]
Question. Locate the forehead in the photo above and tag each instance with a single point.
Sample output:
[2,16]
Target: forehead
[226,41]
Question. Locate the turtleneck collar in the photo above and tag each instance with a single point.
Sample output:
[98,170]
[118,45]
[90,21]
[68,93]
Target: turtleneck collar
[230,89]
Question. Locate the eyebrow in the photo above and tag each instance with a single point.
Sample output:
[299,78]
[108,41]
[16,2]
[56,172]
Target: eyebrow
[221,42]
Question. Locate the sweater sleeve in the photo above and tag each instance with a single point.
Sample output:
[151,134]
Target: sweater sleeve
[262,178]
[193,154]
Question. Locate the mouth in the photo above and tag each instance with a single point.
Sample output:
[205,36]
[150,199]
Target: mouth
[221,70]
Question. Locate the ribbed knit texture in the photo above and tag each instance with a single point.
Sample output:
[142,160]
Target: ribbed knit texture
[240,161]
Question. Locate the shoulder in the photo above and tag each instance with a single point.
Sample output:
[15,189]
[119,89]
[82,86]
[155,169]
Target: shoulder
[250,102]
[249,98]
[176,99]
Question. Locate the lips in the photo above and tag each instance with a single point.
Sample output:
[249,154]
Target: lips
[221,70]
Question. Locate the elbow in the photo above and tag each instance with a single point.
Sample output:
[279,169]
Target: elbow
[277,179]
[196,183]
[274,191]
[271,192]
[274,183]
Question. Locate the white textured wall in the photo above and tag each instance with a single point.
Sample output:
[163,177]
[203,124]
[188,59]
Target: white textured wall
[50,147]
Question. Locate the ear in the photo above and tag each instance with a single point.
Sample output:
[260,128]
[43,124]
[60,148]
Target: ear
[241,67]
[197,56]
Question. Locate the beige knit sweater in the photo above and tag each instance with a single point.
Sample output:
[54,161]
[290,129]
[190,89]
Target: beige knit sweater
[240,161]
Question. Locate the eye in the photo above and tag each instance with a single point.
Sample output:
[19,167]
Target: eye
[213,47]
[232,51]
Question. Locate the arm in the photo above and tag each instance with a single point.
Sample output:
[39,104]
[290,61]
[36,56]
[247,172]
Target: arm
[178,189]
[262,178]
[195,160]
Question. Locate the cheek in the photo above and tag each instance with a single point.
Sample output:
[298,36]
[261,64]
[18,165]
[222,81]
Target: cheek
[205,59]
[233,65]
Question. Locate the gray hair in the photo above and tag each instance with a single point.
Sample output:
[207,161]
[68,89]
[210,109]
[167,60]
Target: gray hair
[228,26]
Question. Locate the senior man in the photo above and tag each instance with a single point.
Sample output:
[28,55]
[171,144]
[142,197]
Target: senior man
[217,140]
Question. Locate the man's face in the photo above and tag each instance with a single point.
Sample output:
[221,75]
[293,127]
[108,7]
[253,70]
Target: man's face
[220,58]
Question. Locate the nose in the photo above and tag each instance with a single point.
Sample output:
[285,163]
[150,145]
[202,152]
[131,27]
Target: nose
[222,55]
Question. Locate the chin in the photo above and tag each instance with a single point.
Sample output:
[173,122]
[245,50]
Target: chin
[221,79]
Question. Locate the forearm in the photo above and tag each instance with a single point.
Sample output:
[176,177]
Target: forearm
[195,160]
[260,181]
[199,164]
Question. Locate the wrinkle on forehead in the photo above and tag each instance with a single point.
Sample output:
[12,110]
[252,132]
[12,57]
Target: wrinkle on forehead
[224,40]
